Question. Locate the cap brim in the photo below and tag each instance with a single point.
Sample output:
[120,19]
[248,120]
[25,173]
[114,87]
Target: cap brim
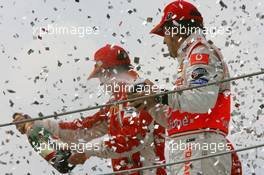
[93,74]
[158,29]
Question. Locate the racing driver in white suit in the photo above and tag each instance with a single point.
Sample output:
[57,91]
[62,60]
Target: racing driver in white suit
[196,120]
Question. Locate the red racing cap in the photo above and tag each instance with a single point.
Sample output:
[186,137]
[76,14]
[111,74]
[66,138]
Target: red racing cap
[179,10]
[109,57]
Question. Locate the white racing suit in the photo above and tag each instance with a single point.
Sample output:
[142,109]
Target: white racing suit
[198,119]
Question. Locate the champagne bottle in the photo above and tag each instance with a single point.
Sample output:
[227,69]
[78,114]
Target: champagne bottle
[47,146]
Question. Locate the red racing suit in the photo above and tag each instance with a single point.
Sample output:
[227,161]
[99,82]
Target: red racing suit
[135,140]
[199,115]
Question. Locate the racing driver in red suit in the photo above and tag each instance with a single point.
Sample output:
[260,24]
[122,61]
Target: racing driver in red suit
[135,140]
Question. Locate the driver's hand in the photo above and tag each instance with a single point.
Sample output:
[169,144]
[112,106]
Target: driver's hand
[23,127]
[77,158]
[147,103]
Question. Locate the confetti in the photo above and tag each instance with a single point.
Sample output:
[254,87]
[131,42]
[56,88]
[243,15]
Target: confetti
[223,5]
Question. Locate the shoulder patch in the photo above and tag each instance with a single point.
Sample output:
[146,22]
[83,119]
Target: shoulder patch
[199,58]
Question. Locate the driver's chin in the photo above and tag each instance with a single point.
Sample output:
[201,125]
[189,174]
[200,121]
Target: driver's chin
[172,55]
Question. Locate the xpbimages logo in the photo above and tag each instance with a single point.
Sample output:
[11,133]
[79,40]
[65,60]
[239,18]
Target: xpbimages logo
[116,87]
[76,147]
[199,146]
[183,30]
[80,31]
